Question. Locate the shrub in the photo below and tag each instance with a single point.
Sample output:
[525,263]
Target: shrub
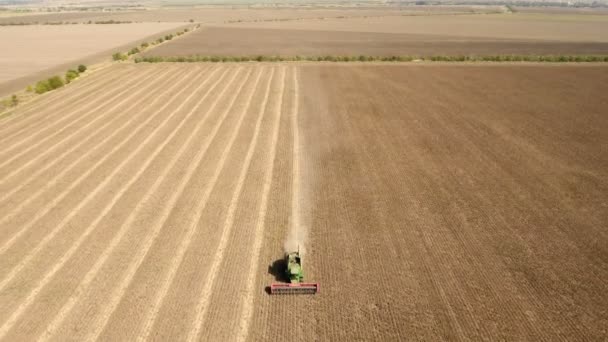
[169,37]
[71,75]
[14,100]
[29,89]
[133,51]
[118,56]
[82,68]
[144,45]
[191,20]
[42,87]
[55,82]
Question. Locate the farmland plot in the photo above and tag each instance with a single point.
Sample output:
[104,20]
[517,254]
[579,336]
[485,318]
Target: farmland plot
[252,41]
[155,208]
[450,203]
[119,213]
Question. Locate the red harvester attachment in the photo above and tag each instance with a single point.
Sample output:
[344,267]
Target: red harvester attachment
[294,288]
[295,274]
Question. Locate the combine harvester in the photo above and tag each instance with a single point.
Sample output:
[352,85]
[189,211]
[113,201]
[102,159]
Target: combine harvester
[294,273]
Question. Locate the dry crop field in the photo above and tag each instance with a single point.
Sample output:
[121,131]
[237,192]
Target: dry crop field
[251,41]
[446,202]
[31,53]
[447,35]
[515,26]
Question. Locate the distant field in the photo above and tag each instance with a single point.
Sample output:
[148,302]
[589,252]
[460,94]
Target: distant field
[212,41]
[562,10]
[490,34]
[570,28]
[217,14]
[29,50]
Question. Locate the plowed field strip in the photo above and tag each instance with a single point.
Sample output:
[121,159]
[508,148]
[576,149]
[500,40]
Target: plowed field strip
[439,125]
[51,204]
[57,98]
[247,300]
[75,146]
[545,182]
[33,252]
[473,242]
[202,304]
[93,272]
[184,245]
[40,124]
[456,296]
[351,176]
[23,306]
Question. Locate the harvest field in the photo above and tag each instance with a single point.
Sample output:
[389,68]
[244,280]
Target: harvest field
[448,35]
[34,52]
[251,41]
[434,202]
[533,26]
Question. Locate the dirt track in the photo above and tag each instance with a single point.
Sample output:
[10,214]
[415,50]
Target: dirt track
[441,203]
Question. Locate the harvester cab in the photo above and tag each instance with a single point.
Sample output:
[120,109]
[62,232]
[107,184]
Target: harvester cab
[295,274]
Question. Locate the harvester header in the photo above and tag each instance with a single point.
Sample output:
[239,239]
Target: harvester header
[295,274]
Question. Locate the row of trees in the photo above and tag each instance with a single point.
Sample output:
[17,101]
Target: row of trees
[364,58]
[120,56]
[55,82]
[90,22]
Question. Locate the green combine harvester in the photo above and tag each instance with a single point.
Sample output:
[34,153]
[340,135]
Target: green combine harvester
[295,274]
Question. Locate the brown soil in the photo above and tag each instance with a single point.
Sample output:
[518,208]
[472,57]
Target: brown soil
[518,26]
[442,203]
[562,10]
[211,41]
[451,203]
